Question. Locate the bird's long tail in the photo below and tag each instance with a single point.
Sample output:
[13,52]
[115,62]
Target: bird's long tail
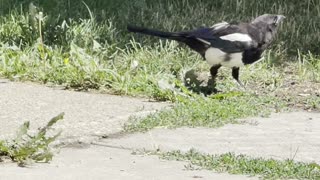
[168,35]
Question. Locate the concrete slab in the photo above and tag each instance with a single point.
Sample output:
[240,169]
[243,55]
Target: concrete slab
[101,163]
[87,115]
[294,135]
[290,135]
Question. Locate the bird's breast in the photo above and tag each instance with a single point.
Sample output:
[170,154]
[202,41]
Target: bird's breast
[215,56]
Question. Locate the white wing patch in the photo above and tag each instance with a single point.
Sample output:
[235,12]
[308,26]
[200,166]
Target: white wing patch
[204,41]
[220,25]
[237,37]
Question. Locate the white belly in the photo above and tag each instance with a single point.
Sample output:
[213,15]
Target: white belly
[215,56]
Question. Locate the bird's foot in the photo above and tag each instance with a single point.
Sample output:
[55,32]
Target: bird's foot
[240,84]
[246,90]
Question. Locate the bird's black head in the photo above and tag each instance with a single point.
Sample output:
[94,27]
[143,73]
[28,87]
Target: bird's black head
[269,19]
[267,25]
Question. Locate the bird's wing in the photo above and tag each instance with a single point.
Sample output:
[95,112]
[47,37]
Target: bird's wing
[230,38]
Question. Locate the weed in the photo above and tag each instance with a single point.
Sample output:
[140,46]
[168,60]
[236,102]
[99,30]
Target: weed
[27,147]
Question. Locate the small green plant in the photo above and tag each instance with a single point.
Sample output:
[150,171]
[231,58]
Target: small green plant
[28,147]
[242,164]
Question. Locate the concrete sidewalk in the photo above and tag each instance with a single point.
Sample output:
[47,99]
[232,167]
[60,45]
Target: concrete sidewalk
[294,135]
[102,163]
[89,116]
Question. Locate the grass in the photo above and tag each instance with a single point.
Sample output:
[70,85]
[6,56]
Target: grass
[212,111]
[88,54]
[85,46]
[158,73]
[300,30]
[269,89]
[242,164]
[28,147]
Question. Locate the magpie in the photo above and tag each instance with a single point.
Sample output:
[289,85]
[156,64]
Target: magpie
[226,44]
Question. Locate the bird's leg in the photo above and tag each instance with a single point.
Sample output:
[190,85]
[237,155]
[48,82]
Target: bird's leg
[235,75]
[214,70]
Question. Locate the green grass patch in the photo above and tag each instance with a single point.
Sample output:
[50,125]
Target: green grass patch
[29,147]
[158,73]
[300,29]
[212,111]
[242,164]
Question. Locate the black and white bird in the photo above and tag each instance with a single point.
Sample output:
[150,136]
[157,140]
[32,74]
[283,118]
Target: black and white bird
[231,45]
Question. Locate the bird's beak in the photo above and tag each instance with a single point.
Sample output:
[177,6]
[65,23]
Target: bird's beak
[280,18]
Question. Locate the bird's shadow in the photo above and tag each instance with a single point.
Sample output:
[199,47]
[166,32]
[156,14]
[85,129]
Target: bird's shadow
[200,82]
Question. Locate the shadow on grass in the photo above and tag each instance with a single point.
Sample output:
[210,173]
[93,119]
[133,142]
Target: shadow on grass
[200,82]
